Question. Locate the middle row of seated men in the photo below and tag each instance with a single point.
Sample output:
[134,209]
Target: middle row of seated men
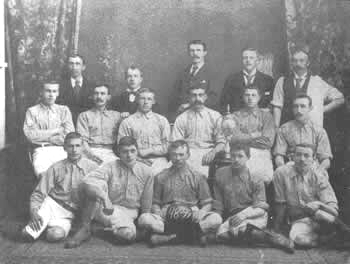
[205,130]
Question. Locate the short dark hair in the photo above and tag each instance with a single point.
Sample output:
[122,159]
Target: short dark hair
[307,145]
[72,135]
[200,85]
[253,87]
[178,143]
[103,85]
[197,42]
[124,141]
[250,48]
[132,67]
[300,48]
[235,146]
[76,55]
[303,96]
[49,81]
[145,90]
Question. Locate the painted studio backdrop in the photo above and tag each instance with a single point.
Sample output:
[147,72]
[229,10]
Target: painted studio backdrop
[154,35]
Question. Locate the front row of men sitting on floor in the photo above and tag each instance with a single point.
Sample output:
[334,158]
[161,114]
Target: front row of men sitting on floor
[131,204]
[116,171]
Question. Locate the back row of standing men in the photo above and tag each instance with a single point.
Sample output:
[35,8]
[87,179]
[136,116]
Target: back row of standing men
[300,98]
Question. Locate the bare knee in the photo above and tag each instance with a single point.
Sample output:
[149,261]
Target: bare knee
[126,234]
[54,234]
[215,220]
[305,240]
[144,220]
[211,222]
[151,222]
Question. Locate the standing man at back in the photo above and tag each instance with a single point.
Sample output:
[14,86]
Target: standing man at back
[235,84]
[126,103]
[325,98]
[196,73]
[75,91]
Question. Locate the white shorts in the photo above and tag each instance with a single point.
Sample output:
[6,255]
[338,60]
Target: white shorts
[122,217]
[304,228]
[44,157]
[53,215]
[195,160]
[260,222]
[209,221]
[260,164]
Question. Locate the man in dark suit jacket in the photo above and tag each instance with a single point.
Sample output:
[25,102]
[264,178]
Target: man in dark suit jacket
[125,103]
[232,94]
[75,91]
[194,75]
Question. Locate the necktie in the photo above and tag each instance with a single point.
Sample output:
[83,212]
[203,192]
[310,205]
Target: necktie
[77,88]
[250,79]
[194,70]
[298,83]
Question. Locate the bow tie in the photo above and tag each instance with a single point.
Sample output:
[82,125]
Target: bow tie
[132,96]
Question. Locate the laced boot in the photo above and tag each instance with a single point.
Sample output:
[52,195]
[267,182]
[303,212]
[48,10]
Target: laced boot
[274,239]
[200,236]
[84,232]
[161,239]
[24,236]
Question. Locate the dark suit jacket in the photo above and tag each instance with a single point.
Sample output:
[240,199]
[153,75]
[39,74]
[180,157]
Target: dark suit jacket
[121,103]
[76,104]
[232,93]
[185,81]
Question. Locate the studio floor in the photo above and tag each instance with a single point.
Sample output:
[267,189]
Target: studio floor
[99,251]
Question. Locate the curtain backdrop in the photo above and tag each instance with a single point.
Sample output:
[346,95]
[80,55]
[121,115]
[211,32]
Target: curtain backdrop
[315,23]
[322,25]
[40,33]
